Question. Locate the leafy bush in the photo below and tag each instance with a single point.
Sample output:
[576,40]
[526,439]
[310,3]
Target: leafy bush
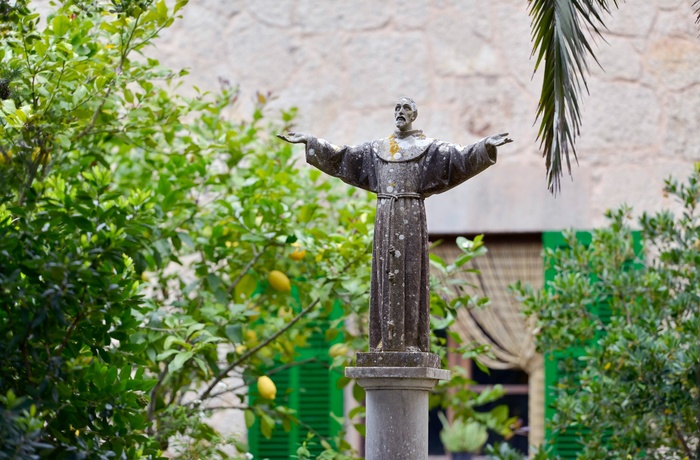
[138,228]
[637,393]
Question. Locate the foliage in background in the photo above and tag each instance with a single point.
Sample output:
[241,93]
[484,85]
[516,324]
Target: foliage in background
[635,391]
[503,451]
[138,232]
[448,294]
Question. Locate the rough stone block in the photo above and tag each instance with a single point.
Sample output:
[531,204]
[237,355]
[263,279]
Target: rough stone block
[398,359]
[393,374]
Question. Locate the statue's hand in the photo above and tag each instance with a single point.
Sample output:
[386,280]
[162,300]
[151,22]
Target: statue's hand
[294,138]
[498,139]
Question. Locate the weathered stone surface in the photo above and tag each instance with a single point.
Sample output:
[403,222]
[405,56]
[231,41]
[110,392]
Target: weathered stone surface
[475,16]
[487,105]
[315,16]
[398,359]
[459,51]
[681,140]
[272,12]
[670,4]
[268,52]
[607,119]
[189,40]
[477,204]
[632,19]
[618,60]
[378,58]
[674,62]
[678,22]
[641,185]
[382,374]
[397,410]
[514,43]
[411,13]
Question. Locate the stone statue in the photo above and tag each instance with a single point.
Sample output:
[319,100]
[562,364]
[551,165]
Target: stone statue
[402,170]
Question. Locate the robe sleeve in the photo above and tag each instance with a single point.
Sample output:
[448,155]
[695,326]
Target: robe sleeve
[448,165]
[352,164]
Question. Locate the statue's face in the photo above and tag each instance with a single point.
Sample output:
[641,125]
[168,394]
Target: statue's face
[403,114]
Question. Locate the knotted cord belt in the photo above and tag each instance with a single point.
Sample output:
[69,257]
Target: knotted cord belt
[396,196]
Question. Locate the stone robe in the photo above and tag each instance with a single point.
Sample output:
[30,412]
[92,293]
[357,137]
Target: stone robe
[402,170]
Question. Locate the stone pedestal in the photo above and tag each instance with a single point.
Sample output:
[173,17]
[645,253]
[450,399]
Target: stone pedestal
[397,402]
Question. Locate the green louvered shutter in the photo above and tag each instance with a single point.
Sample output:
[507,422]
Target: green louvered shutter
[558,366]
[281,442]
[562,367]
[311,390]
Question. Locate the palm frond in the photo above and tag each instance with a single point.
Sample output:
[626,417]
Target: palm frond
[560,35]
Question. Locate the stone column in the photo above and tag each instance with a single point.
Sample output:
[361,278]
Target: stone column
[397,386]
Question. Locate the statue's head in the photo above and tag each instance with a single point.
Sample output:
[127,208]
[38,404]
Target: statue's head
[405,113]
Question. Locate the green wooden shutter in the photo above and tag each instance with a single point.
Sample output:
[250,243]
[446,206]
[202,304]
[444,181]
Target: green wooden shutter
[311,390]
[562,367]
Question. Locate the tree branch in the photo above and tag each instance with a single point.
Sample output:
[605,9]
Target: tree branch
[271,372]
[681,438]
[248,266]
[250,353]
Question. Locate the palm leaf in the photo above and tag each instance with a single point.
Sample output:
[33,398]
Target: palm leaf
[560,35]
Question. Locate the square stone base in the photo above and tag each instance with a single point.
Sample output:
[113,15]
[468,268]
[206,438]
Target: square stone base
[398,359]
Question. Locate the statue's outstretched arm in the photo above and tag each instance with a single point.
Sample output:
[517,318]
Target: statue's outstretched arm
[498,140]
[295,138]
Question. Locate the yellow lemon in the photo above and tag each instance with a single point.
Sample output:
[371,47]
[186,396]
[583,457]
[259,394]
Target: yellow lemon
[265,353]
[7,159]
[339,349]
[144,277]
[285,313]
[250,336]
[298,253]
[279,281]
[240,349]
[266,387]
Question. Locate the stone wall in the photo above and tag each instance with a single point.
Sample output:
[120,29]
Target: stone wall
[467,64]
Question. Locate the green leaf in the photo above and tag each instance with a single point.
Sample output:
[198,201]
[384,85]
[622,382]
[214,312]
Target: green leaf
[249,418]
[437,260]
[173,340]
[8,106]
[179,361]
[60,25]
[357,411]
[245,288]
[162,9]
[234,332]
[267,423]
[358,392]
[79,94]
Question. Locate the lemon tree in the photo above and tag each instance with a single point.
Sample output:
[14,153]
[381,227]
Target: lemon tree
[155,256]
